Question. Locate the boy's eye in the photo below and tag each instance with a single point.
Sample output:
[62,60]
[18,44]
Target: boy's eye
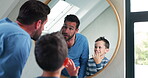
[97,47]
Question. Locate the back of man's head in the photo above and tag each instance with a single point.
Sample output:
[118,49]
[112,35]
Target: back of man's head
[51,51]
[32,11]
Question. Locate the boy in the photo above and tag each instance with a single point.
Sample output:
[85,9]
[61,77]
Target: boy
[98,60]
[50,53]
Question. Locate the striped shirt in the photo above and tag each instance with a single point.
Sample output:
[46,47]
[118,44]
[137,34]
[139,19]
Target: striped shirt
[93,68]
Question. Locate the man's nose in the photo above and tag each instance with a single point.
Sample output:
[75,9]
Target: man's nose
[66,30]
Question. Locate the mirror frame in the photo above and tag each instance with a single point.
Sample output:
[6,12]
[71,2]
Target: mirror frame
[119,38]
[118,42]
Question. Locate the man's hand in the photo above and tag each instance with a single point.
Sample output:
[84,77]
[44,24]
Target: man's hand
[71,68]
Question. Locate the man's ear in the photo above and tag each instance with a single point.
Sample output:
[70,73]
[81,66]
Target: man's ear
[77,30]
[38,24]
[66,61]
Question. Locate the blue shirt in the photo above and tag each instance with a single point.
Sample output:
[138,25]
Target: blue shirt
[93,68]
[57,77]
[15,44]
[79,53]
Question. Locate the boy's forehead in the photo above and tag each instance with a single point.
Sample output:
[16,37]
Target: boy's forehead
[99,43]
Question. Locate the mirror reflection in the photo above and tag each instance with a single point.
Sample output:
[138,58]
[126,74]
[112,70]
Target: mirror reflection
[97,19]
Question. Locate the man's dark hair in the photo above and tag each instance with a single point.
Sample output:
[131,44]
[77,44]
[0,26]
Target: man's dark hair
[51,51]
[105,40]
[72,18]
[32,11]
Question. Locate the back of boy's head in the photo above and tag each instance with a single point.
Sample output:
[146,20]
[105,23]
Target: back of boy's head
[51,51]
[107,44]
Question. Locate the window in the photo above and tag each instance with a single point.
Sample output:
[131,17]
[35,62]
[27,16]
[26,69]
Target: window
[141,49]
[139,5]
[57,15]
[136,39]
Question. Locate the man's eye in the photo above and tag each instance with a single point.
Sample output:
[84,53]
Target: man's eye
[70,28]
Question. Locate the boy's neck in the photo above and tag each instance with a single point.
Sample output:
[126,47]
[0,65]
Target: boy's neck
[51,74]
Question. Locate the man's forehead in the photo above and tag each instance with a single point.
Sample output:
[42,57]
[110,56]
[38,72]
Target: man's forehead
[70,25]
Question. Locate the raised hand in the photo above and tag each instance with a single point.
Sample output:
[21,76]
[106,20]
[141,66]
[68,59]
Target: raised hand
[97,57]
[71,68]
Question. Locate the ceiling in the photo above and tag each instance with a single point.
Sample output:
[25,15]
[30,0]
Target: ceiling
[88,11]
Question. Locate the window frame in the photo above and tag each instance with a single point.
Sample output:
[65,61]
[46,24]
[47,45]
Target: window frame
[131,18]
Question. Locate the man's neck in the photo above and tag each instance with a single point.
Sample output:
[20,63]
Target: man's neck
[27,28]
[71,42]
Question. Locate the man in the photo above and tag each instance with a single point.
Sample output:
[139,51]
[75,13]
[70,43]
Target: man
[78,49]
[50,53]
[15,37]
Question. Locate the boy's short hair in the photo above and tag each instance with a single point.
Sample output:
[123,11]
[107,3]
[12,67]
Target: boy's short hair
[50,51]
[105,40]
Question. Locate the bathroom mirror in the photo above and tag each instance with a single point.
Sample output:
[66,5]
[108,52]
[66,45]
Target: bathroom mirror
[97,18]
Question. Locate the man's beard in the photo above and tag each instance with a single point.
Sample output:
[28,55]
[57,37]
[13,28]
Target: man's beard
[36,35]
[69,37]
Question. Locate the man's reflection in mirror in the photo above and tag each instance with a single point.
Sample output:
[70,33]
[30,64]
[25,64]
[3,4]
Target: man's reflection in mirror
[98,60]
[78,49]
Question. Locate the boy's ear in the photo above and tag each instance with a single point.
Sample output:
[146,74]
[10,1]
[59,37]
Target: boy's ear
[38,24]
[66,61]
[107,50]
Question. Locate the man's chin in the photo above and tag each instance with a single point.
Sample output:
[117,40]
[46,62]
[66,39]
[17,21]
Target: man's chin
[66,38]
[35,38]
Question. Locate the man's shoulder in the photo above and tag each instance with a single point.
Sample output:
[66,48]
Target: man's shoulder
[14,29]
[78,35]
[4,20]
[57,77]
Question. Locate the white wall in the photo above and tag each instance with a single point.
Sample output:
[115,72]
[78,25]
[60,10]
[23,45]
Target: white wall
[116,68]
[105,25]
[6,6]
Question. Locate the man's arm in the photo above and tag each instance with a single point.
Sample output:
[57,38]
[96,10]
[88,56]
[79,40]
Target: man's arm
[83,59]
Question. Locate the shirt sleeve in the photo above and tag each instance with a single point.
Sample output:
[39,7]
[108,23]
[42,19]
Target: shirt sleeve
[84,59]
[16,54]
[91,67]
